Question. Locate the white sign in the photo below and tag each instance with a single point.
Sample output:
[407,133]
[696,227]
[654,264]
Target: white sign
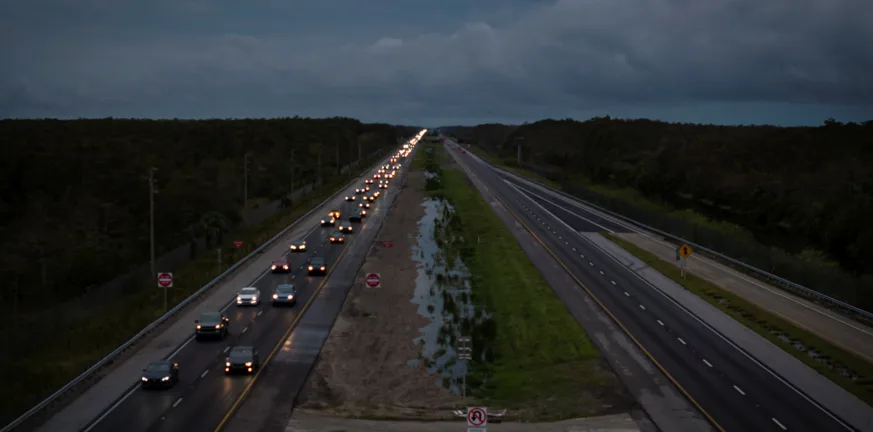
[165,280]
[474,429]
[477,418]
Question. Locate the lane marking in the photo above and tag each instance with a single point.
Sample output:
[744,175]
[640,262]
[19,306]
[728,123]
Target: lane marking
[612,282]
[178,401]
[707,363]
[739,390]
[244,330]
[778,424]
[642,307]
[592,264]
[260,312]
[601,272]
[680,340]
[661,323]
[625,293]
[204,373]
[527,192]
[226,348]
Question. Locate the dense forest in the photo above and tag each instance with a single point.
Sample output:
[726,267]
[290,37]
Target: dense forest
[800,189]
[75,194]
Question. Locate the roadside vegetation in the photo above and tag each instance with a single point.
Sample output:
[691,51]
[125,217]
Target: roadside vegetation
[43,362]
[529,354]
[792,201]
[840,366]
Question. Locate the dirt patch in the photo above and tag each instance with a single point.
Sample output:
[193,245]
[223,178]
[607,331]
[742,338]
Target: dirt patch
[367,367]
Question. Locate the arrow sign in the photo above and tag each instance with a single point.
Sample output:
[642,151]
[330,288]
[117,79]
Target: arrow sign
[374,280]
[165,280]
[477,417]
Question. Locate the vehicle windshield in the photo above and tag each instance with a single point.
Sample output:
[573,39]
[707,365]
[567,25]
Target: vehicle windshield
[248,291]
[158,367]
[210,316]
[280,262]
[240,353]
[317,261]
[285,289]
[337,234]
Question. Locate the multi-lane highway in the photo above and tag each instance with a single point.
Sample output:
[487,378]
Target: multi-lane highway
[733,390]
[204,394]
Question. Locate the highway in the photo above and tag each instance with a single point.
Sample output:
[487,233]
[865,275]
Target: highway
[204,394]
[733,390]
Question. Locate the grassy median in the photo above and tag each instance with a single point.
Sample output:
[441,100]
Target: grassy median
[543,366]
[77,347]
[840,366]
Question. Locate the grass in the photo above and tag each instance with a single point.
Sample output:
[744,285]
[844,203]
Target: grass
[33,377]
[543,362]
[770,327]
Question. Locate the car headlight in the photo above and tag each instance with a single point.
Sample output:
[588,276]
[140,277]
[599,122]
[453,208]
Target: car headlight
[226,364]
[285,267]
[310,268]
[198,326]
[273,267]
[350,228]
[290,296]
[145,379]
[218,326]
[248,364]
[303,247]
[238,298]
[322,268]
[293,247]
[322,221]
[275,296]
[166,378]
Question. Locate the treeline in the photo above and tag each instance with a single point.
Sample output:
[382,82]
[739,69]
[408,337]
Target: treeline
[797,188]
[75,194]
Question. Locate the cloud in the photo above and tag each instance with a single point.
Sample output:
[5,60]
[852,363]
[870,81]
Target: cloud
[487,60]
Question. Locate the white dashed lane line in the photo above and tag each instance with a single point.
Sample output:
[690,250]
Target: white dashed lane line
[601,273]
[707,363]
[680,340]
[178,401]
[612,282]
[244,330]
[625,293]
[226,348]
[642,307]
[260,312]
[739,390]
[592,264]
[204,373]
[659,322]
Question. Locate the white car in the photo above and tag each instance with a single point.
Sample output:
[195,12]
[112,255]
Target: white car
[248,296]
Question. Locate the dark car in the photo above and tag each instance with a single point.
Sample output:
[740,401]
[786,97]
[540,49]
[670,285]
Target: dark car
[285,294]
[211,324]
[160,374]
[359,191]
[357,216]
[328,221]
[370,197]
[280,265]
[337,238]
[345,228]
[335,214]
[364,205]
[242,359]
[383,185]
[298,246]
[317,266]
[350,198]
[368,181]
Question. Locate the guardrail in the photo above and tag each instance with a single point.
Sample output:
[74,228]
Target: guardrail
[809,292]
[109,358]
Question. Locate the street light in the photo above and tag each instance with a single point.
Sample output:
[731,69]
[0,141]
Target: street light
[465,354]
[152,193]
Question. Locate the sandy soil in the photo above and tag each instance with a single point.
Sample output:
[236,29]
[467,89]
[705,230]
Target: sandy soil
[363,369]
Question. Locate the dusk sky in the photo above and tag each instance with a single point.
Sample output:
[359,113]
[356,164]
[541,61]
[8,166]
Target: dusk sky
[443,62]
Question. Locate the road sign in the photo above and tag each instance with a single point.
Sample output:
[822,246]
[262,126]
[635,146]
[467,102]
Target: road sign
[165,280]
[387,243]
[685,251]
[477,417]
[237,243]
[374,280]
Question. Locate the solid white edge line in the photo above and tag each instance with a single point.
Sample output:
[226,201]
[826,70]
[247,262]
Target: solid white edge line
[558,206]
[699,320]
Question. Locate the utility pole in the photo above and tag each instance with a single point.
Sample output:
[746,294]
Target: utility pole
[465,354]
[291,164]
[152,226]
[359,150]
[219,260]
[338,169]
[518,144]
[246,189]
[318,163]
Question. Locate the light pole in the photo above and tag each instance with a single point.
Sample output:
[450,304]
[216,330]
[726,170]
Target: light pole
[518,144]
[246,189]
[152,193]
[465,354]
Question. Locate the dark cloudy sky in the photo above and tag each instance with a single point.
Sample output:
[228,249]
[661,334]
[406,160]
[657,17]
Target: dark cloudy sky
[437,62]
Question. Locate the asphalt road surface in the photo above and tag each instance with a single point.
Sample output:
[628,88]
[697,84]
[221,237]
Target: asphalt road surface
[734,390]
[204,393]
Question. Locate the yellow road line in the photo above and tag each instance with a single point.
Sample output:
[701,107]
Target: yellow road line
[291,328]
[614,318]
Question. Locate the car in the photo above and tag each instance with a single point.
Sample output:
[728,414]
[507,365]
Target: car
[317,266]
[280,265]
[367,189]
[359,191]
[357,216]
[383,185]
[376,195]
[337,238]
[345,228]
[285,294]
[364,205]
[298,246]
[211,324]
[350,198]
[378,176]
[242,359]
[371,197]
[368,181]
[248,296]
[335,214]
[328,221]
[160,374]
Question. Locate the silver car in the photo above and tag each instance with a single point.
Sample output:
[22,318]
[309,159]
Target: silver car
[248,296]
[285,294]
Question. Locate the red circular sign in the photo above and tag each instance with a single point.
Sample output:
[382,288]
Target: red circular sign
[165,279]
[373,280]
[476,417]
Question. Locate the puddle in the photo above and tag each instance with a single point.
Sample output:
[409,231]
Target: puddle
[442,293]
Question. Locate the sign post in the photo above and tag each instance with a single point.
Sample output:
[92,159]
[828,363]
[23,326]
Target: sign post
[374,280]
[477,419]
[685,251]
[465,354]
[165,280]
